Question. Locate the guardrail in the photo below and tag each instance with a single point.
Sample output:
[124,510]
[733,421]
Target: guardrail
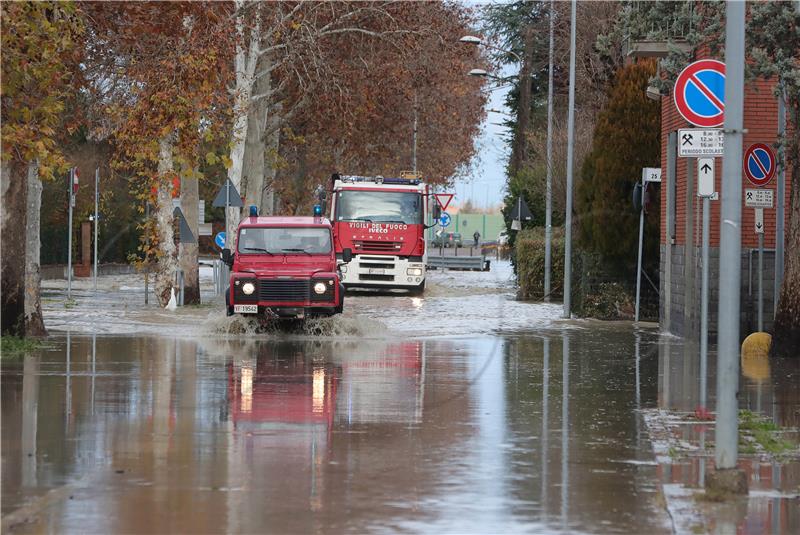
[462,263]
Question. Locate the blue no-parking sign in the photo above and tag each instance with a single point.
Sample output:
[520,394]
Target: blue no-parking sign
[219,239]
[759,164]
[699,93]
[444,219]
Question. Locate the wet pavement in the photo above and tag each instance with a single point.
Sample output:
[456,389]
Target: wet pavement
[461,412]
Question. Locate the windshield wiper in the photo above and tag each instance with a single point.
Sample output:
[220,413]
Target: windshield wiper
[258,249]
[368,220]
[395,221]
[295,251]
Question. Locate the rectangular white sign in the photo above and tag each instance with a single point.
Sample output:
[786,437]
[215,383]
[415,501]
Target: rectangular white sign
[759,221]
[651,174]
[693,142]
[705,177]
[758,198]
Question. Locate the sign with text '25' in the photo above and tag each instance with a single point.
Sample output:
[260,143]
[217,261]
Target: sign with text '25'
[700,93]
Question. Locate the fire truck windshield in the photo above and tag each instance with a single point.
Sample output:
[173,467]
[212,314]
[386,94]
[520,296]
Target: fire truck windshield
[287,240]
[379,206]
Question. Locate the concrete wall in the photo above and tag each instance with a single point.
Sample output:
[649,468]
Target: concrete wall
[680,305]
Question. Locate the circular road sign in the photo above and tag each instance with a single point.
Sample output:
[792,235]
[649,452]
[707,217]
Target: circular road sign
[219,239]
[699,93]
[759,164]
[444,219]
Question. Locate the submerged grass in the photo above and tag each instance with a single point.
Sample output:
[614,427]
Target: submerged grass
[759,434]
[15,347]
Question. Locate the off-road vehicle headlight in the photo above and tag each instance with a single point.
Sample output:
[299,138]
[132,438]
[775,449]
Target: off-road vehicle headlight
[248,288]
[320,288]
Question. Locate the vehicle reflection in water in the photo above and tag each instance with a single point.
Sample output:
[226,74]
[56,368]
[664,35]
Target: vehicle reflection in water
[487,434]
[767,387]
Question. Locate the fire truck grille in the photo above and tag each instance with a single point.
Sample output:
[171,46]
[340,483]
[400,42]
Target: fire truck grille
[372,245]
[283,290]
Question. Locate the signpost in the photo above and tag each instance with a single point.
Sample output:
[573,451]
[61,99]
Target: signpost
[700,93]
[96,219]
[705,190]
[228,197]
[694,142]
[649,174]
[72,187]
[759,199]
[759,164]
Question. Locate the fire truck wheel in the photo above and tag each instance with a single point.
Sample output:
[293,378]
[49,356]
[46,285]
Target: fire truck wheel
[419,290]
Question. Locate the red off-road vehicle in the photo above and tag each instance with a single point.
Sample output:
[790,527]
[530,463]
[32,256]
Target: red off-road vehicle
[284,267]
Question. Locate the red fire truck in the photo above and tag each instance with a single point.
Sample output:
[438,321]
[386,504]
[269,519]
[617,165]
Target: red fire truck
[284,266]
[382,222]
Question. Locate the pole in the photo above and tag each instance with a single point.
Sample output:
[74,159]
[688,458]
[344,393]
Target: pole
[414,155]
[761,282]
[726,429]
[147,260]
[548,197]
[704,305]
[96,220]
[641,240]
[570,151]
[69,236]
[779,207]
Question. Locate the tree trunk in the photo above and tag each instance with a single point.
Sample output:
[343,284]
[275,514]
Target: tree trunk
[13,186]
[245,62]
[272,143]
[190,197]
[254,151]
[167,261]
[34,323]
[786,338]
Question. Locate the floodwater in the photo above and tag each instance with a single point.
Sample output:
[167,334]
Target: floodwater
[461,412]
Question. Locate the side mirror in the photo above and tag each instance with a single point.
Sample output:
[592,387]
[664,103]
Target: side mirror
[347,255]
[436,212]
[227,257]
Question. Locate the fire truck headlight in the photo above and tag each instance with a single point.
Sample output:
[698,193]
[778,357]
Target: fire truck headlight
[248,288]
[414,272]
[320,288]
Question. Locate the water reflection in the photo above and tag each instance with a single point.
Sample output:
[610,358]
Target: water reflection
[766,387]
[494,434]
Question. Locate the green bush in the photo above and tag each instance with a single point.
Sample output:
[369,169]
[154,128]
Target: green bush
[529,258]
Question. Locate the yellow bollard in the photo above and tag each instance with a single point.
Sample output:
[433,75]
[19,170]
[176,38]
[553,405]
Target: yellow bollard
[755,356]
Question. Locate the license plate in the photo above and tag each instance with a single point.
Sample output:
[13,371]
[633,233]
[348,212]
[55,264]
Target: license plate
[376,271]
[245,309]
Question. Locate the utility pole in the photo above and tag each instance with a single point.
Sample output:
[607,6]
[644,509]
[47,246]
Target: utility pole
[570,150]
[524,105]
[641,243]
[548,197]
[726,428]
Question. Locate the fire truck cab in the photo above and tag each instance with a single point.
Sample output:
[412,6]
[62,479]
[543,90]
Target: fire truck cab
[284,267]
[381,220]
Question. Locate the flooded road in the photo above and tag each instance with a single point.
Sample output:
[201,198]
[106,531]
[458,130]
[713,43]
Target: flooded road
[461,435]
[461,412]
